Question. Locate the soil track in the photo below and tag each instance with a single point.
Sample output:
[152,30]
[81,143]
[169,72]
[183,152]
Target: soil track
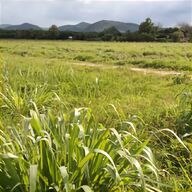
[154,71]
[135,69]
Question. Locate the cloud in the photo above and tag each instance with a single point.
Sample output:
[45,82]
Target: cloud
[90,1]
[59,12]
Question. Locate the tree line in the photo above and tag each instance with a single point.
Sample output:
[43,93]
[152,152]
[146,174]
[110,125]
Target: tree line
[147,32]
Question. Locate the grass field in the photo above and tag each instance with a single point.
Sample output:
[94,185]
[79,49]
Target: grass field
[75,117]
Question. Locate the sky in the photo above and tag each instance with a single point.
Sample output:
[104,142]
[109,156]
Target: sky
[60,12]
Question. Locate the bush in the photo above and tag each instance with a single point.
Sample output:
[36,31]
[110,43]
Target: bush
[83,58]
[181,79]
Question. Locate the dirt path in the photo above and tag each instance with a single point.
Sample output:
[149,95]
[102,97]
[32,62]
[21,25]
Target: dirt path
[154,71]
[135,69]
[98,65]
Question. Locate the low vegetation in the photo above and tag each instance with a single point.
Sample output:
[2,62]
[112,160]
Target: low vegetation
[71,127]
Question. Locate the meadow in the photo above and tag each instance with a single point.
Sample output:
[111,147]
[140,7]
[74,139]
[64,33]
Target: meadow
[74,116]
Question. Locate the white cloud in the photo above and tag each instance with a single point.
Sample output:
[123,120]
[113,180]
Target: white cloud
[33,1]
[60,12]
[89,1]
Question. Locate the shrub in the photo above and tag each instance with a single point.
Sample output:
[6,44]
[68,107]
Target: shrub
[181,79]
[83,58]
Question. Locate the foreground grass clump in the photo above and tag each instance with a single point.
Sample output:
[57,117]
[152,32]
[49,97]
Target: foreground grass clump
[75,153]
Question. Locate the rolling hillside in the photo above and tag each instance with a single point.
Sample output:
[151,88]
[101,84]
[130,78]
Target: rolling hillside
[100,26]
[77,28]
[81,27]
[105,24]
[24,26]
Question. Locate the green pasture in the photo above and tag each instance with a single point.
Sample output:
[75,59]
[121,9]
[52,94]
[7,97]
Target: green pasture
[67,124]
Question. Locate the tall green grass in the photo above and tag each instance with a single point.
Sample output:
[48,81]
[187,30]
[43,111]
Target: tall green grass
[72,152]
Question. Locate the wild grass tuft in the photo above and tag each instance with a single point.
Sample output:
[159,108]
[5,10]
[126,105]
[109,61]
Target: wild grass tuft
[72,152]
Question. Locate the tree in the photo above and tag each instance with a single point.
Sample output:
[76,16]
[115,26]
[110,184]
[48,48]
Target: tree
[186,29]
[110,34]
[53,32]
[146,26]
[112,31]
[107,37]
[178,36]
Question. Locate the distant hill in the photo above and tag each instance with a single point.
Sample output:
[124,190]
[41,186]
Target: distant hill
[76,28]
[105,24]
[24,26]
[81,27]
[101,26]
[3,26]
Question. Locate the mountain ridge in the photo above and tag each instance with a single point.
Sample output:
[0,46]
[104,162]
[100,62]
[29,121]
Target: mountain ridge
[98,26]
[76,28]
[3,26]
[23,26]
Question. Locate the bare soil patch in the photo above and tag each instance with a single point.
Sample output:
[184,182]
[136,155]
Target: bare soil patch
[154,71]
[135,69]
